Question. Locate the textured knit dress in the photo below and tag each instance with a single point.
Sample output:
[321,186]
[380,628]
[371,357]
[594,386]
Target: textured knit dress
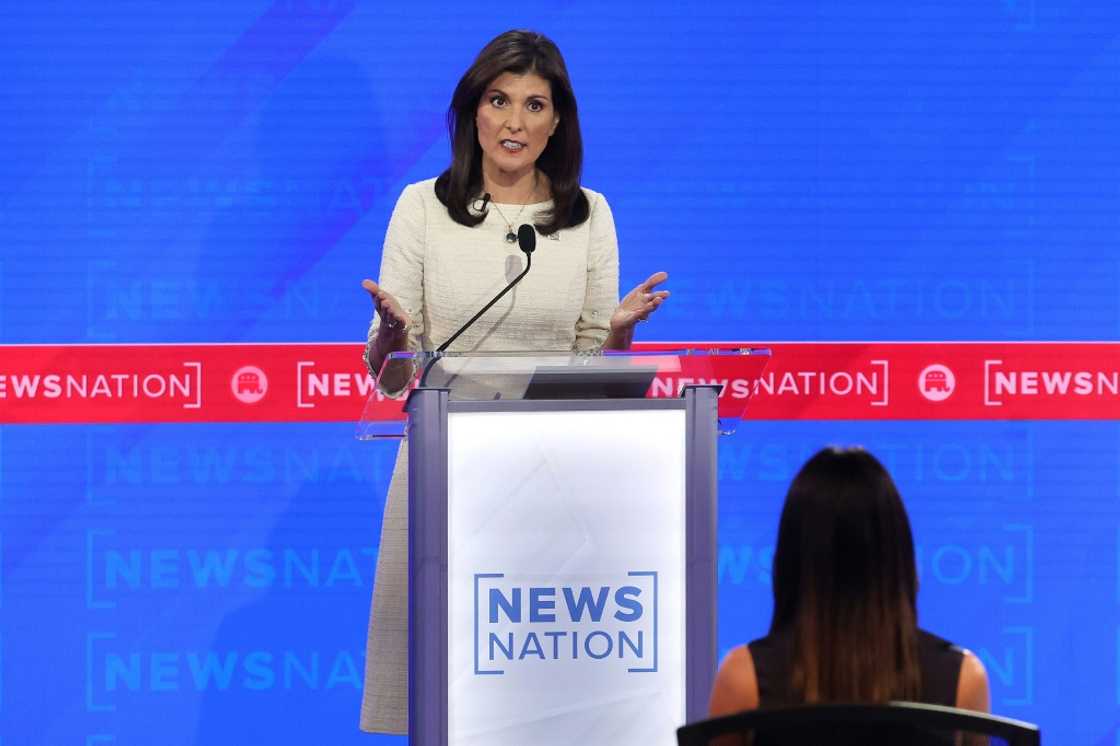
[442,273]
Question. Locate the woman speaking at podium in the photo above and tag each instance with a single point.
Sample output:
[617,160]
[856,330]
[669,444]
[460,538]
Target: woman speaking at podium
[452,244]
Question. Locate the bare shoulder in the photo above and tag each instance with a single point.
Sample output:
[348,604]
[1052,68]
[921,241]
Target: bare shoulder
[972,685]
[736,685]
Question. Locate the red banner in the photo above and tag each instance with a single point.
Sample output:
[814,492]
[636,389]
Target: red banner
[328,382]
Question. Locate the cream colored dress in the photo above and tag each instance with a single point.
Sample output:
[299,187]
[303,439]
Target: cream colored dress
[442,273]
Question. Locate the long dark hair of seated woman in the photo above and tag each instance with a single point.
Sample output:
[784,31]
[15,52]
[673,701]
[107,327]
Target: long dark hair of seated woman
[845,583]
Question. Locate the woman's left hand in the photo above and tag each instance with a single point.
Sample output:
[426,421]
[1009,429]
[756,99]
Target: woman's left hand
[639,303]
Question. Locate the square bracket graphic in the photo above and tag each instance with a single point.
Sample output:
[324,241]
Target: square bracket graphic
[92,602]
[1027,532]
[1015,668]
[92,705]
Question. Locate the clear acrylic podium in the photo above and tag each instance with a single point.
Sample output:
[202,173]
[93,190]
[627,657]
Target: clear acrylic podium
[562,543]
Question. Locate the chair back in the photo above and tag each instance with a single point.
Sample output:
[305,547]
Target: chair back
[893,724]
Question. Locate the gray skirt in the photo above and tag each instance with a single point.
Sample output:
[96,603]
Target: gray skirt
[385,694]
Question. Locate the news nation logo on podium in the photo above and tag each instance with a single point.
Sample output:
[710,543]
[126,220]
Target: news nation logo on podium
[522,624]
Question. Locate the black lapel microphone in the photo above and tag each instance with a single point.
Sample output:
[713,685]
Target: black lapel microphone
[527,241]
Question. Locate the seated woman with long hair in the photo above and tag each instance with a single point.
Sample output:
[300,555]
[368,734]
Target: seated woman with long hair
[845,623]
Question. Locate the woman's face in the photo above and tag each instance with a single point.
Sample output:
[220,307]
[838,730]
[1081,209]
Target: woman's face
[515,118]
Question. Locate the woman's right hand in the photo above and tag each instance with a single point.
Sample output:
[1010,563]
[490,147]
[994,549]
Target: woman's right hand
[394,321]
[392,336]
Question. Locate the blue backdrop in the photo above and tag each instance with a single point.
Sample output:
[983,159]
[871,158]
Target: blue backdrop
[224,171]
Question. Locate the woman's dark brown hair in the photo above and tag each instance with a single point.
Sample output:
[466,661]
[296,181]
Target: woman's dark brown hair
[517,52]
[845,585]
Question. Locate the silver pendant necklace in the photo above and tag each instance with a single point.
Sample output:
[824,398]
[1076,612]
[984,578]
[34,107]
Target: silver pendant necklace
[511,237]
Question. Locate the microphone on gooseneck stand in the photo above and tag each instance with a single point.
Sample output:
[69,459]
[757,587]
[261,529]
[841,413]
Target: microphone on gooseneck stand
[527,241]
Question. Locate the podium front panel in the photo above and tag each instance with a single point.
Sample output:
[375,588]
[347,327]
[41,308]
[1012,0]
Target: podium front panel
[566,573]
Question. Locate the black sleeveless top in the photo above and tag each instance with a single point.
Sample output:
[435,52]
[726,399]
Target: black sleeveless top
[939,660]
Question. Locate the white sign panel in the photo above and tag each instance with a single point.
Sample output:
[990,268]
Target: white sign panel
[566,578]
